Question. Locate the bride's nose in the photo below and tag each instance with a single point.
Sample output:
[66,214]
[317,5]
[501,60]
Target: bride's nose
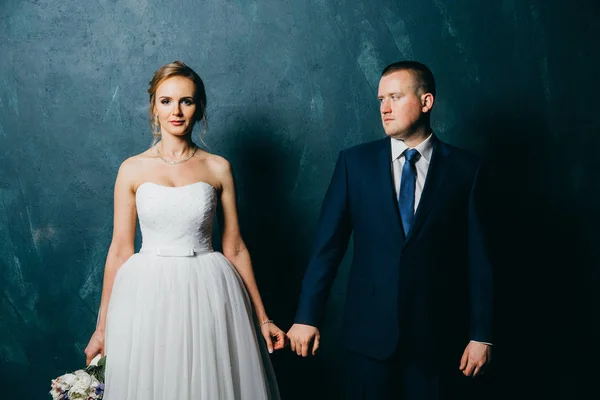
[176,110]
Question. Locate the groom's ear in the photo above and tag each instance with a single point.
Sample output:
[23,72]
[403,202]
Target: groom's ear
[427,101]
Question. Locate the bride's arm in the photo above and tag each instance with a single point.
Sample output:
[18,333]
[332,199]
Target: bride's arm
[121,248]
[235,250]
[234,247]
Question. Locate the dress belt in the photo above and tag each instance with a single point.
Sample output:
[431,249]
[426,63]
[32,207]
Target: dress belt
[168,251]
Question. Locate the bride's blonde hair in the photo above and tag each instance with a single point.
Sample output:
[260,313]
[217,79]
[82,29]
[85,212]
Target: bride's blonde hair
[177,68]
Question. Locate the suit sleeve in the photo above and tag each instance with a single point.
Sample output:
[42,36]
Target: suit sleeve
[480,272]
[331,241]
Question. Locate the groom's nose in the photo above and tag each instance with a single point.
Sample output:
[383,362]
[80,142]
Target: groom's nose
[384,107]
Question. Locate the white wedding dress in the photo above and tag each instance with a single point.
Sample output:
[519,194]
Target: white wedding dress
[180,324]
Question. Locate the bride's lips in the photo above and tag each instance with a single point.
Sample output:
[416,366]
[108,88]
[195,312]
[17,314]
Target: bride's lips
[177,123]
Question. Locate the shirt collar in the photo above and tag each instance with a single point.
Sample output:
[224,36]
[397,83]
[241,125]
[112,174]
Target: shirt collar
[425,148]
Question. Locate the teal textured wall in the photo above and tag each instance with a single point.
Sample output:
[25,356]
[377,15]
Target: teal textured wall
[289,84]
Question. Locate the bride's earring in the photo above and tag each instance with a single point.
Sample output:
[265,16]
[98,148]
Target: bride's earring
[155,128]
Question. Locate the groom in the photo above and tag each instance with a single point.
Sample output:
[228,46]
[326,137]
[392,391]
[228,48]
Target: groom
[419,298]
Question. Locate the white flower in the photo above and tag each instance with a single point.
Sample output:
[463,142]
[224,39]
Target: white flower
[55,391]
[68,379]
[92,392]
[81,386]
[62,384]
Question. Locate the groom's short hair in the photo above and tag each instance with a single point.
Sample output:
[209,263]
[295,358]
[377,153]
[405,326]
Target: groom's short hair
[422,74]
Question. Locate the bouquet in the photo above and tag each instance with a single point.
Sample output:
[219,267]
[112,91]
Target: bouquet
[83,384]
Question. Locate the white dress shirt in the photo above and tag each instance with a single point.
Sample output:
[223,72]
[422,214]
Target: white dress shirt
[425,149]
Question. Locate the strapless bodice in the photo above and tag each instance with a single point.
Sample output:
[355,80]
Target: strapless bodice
[175,220]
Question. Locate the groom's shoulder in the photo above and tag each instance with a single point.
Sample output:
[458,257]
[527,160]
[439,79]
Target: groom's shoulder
[465,162]
[462,154]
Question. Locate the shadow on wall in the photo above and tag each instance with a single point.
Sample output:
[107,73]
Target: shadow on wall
[275,230]
[541,252]
[535,223]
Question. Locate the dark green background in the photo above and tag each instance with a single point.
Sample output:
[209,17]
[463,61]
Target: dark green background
[290,83]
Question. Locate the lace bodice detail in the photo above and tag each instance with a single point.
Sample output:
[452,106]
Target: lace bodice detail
[176,217]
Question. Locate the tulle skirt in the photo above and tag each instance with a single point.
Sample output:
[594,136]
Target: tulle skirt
[182,328]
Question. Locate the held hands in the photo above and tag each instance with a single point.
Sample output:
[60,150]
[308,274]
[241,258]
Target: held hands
[94,347]
[474,358]
[301,336]
[274,337]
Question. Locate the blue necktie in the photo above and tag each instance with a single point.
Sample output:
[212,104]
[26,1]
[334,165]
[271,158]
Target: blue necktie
[406,197]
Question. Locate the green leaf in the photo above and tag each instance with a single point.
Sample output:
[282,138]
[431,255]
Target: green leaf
[97,370]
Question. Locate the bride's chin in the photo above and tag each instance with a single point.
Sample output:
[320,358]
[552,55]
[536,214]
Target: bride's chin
[180,133]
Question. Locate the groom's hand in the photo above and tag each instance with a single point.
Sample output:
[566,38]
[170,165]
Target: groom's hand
[301,336]
[475,358]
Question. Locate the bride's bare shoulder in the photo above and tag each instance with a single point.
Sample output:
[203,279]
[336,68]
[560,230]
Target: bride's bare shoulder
[216,163]
[215,166]
[137,163]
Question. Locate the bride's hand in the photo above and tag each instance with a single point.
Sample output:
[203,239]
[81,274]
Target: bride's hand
[274,337]
[94,347]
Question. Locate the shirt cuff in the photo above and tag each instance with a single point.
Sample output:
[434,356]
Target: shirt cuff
[477,341]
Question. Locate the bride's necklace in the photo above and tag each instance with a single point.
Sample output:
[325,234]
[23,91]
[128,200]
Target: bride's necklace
[175,162]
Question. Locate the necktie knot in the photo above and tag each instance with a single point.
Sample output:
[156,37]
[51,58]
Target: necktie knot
[412,155]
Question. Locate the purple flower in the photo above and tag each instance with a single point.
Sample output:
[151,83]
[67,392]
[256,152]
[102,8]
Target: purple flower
[100,388]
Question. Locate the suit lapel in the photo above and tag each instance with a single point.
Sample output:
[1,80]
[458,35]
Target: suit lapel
[438,168]
[384,182]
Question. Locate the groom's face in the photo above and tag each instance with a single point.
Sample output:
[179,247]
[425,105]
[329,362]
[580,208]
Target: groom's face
[400,103]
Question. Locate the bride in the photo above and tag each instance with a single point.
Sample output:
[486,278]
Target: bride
[179,320]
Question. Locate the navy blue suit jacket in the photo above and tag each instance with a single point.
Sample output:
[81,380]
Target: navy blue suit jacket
[431,290]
